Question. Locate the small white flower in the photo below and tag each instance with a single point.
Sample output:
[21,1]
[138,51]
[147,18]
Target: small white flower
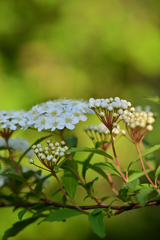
[54,160]
[41,123]
[9,125]
[31,161]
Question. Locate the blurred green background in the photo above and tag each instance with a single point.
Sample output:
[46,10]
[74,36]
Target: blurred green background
[53,49]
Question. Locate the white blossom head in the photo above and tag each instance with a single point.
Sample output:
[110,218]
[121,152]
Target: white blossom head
[11,121]
[138,122]
[109,110]
[58,114]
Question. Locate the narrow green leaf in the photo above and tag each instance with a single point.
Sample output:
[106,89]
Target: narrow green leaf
[22,213]
[99,144]
[85,164]
[144,153]
[154,99]
[38,187]
[142,195]
[28,149]
[96,169]
[96,221]
[109,167]
[157,171]
[61,215]
[134,174]
[17,227]
[56,167]
[70,183]
[91,150]
[15,176]
[89,185]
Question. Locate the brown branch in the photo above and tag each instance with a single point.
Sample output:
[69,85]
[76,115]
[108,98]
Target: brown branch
[120,209]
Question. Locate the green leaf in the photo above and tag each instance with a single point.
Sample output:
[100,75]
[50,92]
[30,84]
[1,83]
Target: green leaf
[86,164]
[91,150]
[61,215]
[123,193]
[70,165]
[157,171]
[17,227]
[38,187]
[96,221]
[15,176]
[132,184]
[28,149]
[43,209]
[70,183]
[56,167]
[109,167]
[154,99]
[144,153]
[99,171]
[71,141]
[99,144]
[22,213]
[134,174]
[96,169]
[89,185]
[142,195]
[155,198]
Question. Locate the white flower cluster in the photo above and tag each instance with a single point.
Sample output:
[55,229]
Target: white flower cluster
[13,119]
[58,114]
[110,104]
[109,110]
[50,154]
[139,122]
[101,133]
[139,118]
[18,144]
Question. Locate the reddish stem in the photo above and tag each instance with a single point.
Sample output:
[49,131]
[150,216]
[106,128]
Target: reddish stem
[141,159]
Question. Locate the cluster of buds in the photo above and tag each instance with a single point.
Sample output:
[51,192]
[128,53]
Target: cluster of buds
[100,132]
[109,111]
[51,154]
[138,122]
